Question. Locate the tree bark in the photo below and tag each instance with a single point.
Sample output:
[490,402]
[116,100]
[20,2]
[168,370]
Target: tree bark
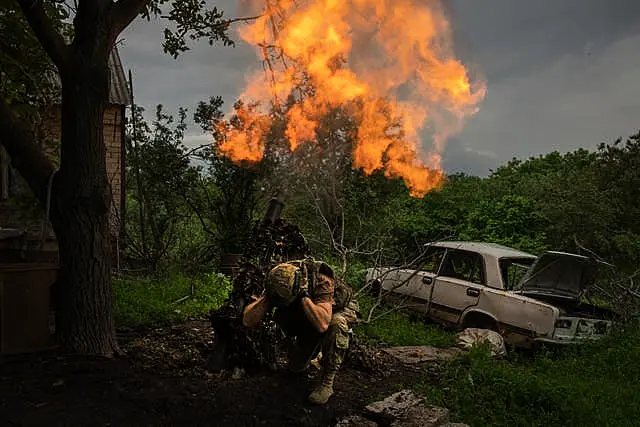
[81,208]
[81,194]
[51,41]
[26,156]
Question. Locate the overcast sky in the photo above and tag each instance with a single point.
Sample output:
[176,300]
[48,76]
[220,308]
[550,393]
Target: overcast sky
[561,74]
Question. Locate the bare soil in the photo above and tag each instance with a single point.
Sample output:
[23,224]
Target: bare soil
[161,381]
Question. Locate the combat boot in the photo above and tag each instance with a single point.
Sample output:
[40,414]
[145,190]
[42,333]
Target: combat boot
[321,394]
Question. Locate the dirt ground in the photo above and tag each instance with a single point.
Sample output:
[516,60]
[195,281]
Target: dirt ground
[162,382]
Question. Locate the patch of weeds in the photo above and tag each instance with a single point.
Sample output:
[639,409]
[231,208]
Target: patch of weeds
[397,328]
[356,275]
[157,301]
[590,385]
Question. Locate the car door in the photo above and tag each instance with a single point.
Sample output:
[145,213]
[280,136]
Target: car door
[412,288]
[457,286]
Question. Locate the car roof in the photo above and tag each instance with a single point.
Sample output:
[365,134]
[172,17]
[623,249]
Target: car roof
[491,249]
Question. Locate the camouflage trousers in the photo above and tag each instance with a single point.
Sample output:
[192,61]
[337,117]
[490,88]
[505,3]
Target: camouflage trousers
[333,343]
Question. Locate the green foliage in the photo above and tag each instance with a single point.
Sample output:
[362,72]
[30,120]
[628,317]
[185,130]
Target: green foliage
[555,201]
[227,203]
[512,221]
[183,214]
[618,186]
[193,21]
[161,227]
[593,385]
[159,301]
[231,204]
[27,76]
[580,197]
[355,275]
[440,214]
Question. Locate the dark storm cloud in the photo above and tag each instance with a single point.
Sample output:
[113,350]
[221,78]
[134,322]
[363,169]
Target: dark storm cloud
[464,158]
[561,74]
[509,37]
[196,75]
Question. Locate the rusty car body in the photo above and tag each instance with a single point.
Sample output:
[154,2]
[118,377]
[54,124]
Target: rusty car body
[529,299]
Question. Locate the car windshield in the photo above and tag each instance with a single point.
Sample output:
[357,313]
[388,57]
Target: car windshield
[513,270]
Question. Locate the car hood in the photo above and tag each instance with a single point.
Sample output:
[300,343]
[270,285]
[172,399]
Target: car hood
[561,274]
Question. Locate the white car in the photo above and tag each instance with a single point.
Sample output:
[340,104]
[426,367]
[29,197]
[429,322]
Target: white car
[527,299]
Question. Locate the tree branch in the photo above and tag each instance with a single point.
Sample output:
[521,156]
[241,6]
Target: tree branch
[50,39]
[124,12]
[29,159]
[193,150]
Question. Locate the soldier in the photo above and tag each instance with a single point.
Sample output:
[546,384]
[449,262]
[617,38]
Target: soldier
[315,311]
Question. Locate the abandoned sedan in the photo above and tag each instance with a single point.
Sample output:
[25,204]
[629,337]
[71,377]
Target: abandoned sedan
[528,299]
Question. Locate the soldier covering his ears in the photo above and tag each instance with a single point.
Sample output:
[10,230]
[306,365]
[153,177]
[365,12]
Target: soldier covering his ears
[315,310]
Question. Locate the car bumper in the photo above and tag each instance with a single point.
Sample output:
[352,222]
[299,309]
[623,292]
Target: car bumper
[566,340]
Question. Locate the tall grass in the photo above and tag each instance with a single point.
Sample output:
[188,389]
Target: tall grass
[170,299]
[597,384]
[392,327]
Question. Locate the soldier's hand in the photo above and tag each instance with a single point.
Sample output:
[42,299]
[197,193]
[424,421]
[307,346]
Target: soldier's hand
[304,289]
[305,293]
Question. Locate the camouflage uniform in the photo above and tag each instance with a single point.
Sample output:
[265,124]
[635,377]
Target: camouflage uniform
[333,343]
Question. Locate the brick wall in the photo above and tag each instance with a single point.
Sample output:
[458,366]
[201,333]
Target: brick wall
[113,124]
[11,216]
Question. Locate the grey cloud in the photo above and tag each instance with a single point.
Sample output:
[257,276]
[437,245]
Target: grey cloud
[194,76]
[506,37]
[577,101]
[464,158]
[561,74]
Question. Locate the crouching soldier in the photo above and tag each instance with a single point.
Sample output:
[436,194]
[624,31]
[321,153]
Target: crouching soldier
[315,311]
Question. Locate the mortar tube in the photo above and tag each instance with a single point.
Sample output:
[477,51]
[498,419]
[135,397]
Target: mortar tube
[276,204]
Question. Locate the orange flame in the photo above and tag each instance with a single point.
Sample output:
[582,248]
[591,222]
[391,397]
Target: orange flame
[394,58]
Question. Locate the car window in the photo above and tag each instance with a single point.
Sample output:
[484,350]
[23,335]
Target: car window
[513,270]
[433,258]
[464,265]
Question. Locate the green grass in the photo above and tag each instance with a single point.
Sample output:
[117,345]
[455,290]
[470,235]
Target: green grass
[594,385]
[397,328]
[152,301]
[393,328]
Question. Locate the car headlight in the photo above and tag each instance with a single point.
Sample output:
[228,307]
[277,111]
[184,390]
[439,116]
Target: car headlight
[583,327]
[563,323]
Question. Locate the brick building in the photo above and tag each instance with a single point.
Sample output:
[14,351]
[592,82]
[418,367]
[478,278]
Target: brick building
[22,224]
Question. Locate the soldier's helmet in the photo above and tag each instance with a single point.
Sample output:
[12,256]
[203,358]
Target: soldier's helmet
[283,284]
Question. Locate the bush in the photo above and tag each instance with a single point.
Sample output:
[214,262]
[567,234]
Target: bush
[592,385]
[157,301]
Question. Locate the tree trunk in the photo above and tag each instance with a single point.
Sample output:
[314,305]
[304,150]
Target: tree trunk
[81,208]
[81,194]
